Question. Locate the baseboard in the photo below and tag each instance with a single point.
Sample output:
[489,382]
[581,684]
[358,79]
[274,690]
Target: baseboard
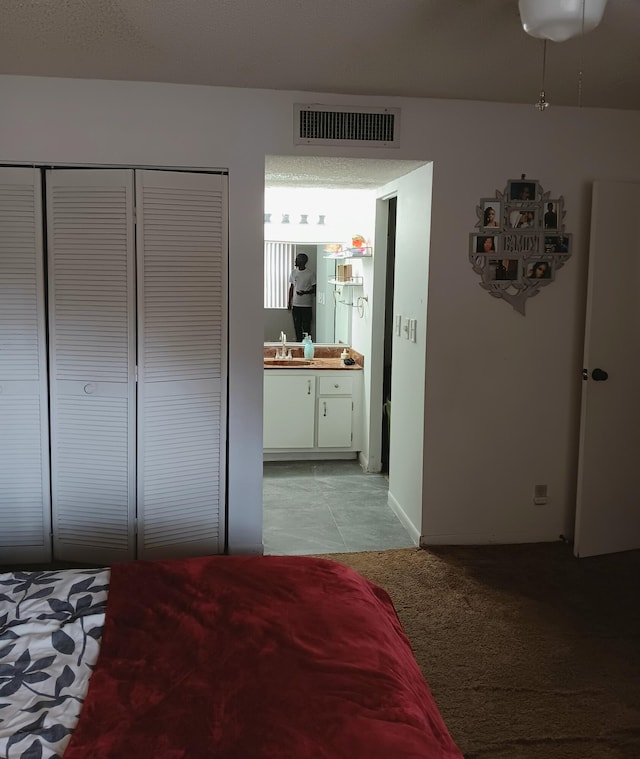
[408,525]
[309,456]
[253,549]
[375,467]
[482,539]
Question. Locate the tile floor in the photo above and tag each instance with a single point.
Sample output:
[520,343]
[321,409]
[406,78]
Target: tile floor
[315,507]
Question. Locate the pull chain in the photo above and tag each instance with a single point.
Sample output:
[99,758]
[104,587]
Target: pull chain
[580,60]
[543,103]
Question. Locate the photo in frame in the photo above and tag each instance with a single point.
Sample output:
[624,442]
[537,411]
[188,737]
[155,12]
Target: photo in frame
[523,216]
[484,244]
[552,214]
[557,243]
[523,190]
[540,269]
[491,214]
[502,270]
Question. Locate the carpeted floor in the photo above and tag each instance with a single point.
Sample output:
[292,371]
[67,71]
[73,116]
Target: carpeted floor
[529,652]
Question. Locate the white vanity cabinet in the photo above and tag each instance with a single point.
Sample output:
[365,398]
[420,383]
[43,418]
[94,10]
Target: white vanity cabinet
[312,413]
[289,409]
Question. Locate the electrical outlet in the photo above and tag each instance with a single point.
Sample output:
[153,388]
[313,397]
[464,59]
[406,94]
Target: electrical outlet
[540,495]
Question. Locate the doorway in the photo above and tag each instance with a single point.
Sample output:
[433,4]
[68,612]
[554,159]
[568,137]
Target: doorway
[388,333]
[378,180]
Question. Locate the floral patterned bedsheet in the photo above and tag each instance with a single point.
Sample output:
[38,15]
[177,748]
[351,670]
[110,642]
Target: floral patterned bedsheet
[50,628]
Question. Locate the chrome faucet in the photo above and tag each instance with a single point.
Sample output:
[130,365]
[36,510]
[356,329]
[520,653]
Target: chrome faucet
[283,349]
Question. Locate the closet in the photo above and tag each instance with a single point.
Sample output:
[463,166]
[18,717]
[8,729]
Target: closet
[112,364]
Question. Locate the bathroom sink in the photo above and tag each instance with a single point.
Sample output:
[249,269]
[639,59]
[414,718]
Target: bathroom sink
[287,362]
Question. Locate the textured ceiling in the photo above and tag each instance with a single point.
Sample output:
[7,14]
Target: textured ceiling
[344,173]
[469,49]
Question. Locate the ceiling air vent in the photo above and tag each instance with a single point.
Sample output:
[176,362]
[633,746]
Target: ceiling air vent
[348,125]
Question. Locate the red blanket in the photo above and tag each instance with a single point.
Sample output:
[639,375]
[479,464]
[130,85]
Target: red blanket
[254,657]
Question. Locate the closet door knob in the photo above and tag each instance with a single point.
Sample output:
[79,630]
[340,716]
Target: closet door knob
[90,388]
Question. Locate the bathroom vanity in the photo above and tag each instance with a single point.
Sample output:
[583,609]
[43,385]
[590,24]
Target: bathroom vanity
[312,409]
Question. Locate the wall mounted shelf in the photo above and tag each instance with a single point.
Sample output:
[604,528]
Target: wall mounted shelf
[352,253]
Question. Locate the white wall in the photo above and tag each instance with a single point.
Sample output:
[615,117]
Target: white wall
[413,222]
[502,390]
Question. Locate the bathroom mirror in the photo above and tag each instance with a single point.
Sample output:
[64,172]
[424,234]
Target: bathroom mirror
[332,313]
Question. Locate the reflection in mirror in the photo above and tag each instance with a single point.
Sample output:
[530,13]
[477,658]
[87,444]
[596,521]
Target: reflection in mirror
[342,314]
[331,322]
[322,219]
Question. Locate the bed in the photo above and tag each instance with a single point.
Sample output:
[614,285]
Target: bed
[233,657]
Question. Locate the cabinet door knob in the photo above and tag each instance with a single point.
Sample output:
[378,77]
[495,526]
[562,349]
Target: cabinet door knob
[90,388]
[325,408]
[308,387]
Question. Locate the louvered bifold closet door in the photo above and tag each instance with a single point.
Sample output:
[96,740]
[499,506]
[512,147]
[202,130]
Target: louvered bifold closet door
[92,359]
[25,508]
[182,243]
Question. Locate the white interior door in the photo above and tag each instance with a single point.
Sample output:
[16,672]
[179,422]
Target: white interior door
[608,497]
[92,363]
[182,244]
[25,507]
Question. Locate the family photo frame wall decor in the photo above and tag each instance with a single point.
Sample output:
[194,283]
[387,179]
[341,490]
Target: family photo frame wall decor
[519,242]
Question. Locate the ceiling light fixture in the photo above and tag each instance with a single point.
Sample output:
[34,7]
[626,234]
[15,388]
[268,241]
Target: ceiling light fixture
[559,20]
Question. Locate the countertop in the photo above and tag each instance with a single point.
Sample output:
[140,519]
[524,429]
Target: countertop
[316,363]
[325,358]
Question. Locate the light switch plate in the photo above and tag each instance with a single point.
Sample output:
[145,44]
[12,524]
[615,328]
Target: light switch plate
[398,325]
[413,325]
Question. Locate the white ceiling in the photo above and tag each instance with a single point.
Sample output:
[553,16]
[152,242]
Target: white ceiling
[469,49]
[460,49]
[344,173]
